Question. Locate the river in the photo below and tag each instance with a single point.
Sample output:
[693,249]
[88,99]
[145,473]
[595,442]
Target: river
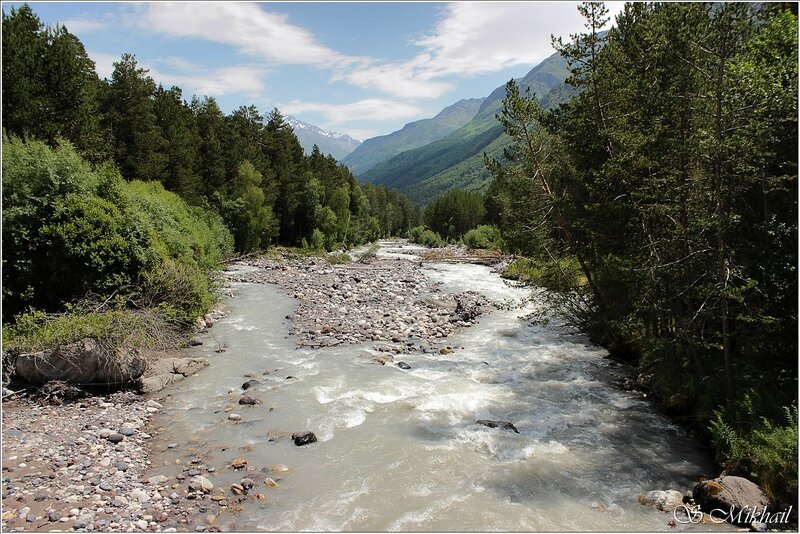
[400,450]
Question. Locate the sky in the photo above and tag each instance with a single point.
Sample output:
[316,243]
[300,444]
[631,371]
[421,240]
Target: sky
[361,68]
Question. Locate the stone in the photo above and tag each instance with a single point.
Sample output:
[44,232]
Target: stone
[141,524]
[268,482]
[105,486]
[120,465]
[250,384]
[153,404]
[403,365]
[195,342]
[158,479]
[163,370]
[504,425]
[247,400]
[664,500]
[53,517]
[730,493]
[104,433]
[200,483]
[237,489]
[115,437]
[281,468]
[303,438]
[756,526]
[239,463]
[235,417]
[127,430]
[140,495]
[247,483]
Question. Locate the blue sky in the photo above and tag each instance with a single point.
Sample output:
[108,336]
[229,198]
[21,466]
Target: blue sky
[364,69]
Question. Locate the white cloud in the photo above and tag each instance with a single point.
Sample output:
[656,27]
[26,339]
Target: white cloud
[469,38]
[362,110]
[103,63]
[192,78]
[84,25]
[244,26]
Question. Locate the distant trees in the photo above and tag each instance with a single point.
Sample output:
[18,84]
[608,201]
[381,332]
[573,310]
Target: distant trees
[454,213]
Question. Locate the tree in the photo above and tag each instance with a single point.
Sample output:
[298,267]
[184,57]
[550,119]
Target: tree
[139,147]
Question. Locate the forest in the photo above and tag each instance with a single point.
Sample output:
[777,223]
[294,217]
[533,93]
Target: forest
[669,185]
[122,185]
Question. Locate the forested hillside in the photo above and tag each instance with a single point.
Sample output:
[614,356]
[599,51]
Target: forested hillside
[412,135]
[668,184]
[457,159]
[93,168]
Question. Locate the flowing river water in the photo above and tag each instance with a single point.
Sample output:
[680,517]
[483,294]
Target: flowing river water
[400,450]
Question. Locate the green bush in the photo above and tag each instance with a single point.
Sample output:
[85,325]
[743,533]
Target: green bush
[422,235]
[71,230]
[764,451]
[484,237]
[338,259]
[317,240]
[36,330]
[562,275]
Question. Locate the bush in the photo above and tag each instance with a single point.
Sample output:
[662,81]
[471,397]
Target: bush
[72,230]
[115,328]
[484,237]
[765,452]
[563,275]
[426,237]
[338,259]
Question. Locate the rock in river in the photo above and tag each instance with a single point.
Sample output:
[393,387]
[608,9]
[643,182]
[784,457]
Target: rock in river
[730,493]
[200,483]
[666,501]
[249,401]
[504,425]
[303,438]
[403,365]
[250,384]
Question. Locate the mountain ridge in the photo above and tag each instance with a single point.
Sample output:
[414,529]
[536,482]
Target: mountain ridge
[456,160]
[337,144]
[412,135]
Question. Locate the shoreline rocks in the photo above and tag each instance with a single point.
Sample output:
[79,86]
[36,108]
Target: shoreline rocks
[387,300]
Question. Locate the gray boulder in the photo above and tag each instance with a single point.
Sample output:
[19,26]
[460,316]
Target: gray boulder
[504,425]
[164,371]
[729,495]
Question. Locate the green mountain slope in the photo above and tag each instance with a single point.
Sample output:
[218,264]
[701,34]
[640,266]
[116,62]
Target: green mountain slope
[412,135]
[457,159]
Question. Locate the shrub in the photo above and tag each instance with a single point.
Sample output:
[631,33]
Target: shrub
[484,237]
[338,259]
[765,451]
[426,237]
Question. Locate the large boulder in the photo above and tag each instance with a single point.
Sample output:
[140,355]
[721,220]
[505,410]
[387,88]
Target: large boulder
[82,362]
[728,495]
[163,371]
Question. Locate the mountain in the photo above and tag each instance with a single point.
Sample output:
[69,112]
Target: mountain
[456,160]
[412,135]
[336,144]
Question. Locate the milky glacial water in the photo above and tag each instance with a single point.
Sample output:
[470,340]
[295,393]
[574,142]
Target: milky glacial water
[400,451]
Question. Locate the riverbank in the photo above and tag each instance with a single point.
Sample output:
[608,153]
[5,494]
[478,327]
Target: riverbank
[83,465]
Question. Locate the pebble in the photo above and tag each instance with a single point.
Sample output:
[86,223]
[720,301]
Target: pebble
[115,437]
[127,430]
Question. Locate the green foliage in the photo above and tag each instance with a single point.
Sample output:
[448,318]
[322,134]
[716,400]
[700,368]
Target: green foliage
[338,259]
[36,330]
[71,230]
[424,236]
[762,449]
[454,213]
[317,240]
[484,237]
[562,275]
